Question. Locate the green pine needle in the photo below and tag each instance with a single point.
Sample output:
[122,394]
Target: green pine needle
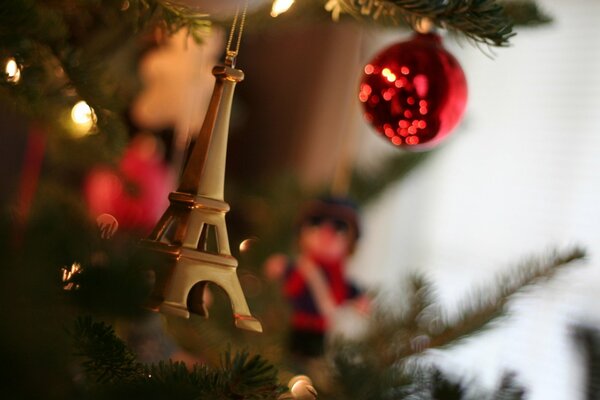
[393,341]
[376,367]
[587,339]
[178,16]
[111,369]
[106,359]
[525,13]
[483,21]
[479,313]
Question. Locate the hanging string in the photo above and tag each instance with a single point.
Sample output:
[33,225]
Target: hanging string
[231,55]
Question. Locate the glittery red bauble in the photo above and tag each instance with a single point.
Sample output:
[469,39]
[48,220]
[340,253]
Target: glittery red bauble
[414,93]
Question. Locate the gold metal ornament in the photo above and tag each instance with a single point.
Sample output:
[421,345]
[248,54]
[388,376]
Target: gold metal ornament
[300,388]
[190,240]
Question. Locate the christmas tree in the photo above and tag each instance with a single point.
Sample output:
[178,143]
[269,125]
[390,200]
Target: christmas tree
[109,106]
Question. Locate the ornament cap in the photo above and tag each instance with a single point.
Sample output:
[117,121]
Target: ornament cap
[424,25]
[431,37]
[228,72]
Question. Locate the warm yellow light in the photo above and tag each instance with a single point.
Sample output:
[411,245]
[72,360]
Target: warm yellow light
[280,6]
[68,274]
[13,72]
[84,118]
[82,114]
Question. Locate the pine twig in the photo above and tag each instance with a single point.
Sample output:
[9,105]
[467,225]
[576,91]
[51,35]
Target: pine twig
[509,389]
[525,13]
[106,358]
[112,369]
[477,317]
[588,342]
[483,21]
[395,341]
[177,16]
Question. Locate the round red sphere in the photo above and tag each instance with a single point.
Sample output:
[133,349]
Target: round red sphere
[414,92]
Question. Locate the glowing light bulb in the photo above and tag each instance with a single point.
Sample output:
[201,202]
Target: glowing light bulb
[68,274]
[82,113]
[12,70]
[280,6]
[83,116]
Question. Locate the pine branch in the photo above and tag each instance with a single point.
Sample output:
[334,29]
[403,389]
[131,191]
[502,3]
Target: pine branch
[359,377]
[392,341]
[71,51]
[525,13]
[106,358]
[432,384]
[475,318]
[176,16]
[483,21]
[588,342]
[509,389]
[113,371]
[249,377]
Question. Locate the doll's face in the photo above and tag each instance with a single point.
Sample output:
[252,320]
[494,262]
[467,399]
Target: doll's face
[325,239]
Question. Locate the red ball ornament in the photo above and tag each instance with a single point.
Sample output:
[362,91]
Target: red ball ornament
[414,93]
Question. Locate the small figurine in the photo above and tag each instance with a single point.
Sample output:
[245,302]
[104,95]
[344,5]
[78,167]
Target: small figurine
[315,283]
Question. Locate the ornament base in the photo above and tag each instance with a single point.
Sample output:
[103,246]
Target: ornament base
[184,267]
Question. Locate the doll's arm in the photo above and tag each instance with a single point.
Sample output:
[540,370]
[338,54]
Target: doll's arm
[318,286]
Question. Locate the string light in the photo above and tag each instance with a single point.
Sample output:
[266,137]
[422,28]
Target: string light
[280,6]
[12,70]
[67,275]
[83,116]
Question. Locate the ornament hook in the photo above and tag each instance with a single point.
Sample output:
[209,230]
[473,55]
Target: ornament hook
[231,55]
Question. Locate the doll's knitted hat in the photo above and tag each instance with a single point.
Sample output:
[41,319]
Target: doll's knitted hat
[340,209]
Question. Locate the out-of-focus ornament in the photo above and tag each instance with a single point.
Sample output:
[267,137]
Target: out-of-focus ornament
[191,240]
[300,388]
[12,71]
[414,93]
[177,87]
[108,225]
[135,193]
[314,282]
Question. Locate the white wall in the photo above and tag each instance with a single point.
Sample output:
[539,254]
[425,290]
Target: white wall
[521,175]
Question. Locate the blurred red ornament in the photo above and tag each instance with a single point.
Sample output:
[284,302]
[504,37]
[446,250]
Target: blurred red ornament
[414,93]
[137,193]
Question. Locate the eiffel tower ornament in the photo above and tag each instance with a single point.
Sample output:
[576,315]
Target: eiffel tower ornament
[190,240]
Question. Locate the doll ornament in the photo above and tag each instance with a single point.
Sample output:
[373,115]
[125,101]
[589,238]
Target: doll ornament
[314,283]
